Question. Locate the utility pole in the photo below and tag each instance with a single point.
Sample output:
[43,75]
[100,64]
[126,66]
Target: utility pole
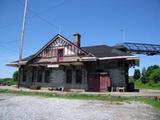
[21,44]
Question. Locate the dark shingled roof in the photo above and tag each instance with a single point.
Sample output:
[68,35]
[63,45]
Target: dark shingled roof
[105,51]
[28,58]
[97,51]
[24,59]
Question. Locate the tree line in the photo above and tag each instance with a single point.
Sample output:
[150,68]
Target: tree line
[149,75]
[10,81]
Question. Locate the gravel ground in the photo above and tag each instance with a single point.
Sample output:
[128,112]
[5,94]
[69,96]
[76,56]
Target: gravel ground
[143,92]
[38,108]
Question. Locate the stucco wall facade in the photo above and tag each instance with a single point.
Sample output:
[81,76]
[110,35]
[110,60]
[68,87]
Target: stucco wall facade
[117,71]
[57,77]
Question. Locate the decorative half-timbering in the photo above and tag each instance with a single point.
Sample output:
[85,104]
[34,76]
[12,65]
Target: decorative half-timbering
[59,50]
[66,65]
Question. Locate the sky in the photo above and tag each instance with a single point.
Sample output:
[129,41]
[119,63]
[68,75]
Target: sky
[98,22]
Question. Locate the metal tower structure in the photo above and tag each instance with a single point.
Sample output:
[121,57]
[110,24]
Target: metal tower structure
[139,48]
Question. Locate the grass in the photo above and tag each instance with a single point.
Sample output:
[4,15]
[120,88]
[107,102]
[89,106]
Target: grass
[140,85]
[113,99]
[8,81]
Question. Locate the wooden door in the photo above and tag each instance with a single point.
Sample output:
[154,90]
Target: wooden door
[93,82]
[105,82]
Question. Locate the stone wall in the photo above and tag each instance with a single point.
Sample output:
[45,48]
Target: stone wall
[57,77]
[117,70]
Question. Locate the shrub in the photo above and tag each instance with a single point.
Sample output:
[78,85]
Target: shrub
[15,76]
[143,76]
[155,75]
[137,74]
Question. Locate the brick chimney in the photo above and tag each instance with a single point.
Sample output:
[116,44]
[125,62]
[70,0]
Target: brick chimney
[77,39]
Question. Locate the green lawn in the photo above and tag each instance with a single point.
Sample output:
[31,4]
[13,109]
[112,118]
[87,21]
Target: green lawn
[140,85]
[114,99]
[8,81]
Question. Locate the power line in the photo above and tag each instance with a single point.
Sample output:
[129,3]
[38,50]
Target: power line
[9,49]
[42,12]
[4,60]
[8,42]
[46,10]
[37,15]
[9,25]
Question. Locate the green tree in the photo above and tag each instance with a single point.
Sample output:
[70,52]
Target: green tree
[155,75]
[152,67]
[150,71]
[137,74]
[15,76]
[143,76]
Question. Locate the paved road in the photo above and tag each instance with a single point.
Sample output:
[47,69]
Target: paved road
[38,108]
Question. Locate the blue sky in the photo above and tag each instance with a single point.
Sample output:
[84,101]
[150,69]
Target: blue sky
[98,21]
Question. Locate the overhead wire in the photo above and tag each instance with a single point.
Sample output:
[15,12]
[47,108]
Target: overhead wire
[36,14]
[46,10]
[8,42]
[9,25]
[9,49]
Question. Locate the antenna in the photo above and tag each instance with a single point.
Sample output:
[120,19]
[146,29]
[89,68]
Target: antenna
[123,35]
[59,32]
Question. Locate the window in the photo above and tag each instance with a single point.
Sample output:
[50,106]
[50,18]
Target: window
[47,76]
[33,75]
[60,54]
[54,52]
[24,75]
[78,76]
[69,76]
[39,76]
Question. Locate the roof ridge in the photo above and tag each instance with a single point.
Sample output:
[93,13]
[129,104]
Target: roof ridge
[96,45]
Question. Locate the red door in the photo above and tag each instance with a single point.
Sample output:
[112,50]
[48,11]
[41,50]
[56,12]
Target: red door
[105,82]
[93,82]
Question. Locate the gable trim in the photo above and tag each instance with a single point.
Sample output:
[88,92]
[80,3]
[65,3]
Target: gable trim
[52,40]
[120,57]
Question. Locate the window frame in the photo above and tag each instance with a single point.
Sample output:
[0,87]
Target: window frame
[59,55]
[78,76]
[24,76]
[39,76]
[47,76]
[33,75]
[69,76]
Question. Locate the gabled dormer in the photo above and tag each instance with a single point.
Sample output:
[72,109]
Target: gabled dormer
[59,49]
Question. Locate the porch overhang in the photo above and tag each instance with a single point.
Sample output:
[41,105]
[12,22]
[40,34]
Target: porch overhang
[135,59]
[16,64]
[89,59]
[64,64]
[72,63]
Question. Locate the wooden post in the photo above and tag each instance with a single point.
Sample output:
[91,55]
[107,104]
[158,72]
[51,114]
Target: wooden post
[21,44]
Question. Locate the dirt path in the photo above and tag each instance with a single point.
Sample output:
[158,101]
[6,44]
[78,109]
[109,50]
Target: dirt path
[143,92]
[38,108]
